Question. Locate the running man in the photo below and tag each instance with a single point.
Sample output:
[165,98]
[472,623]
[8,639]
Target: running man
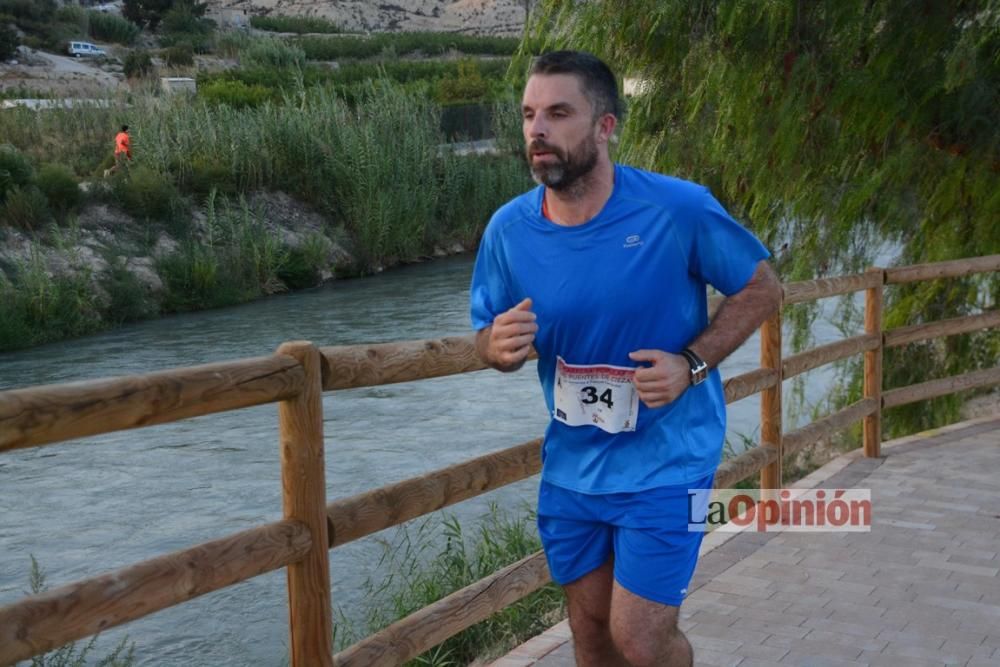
[603,270]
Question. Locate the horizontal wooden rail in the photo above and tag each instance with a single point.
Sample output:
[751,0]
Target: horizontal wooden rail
[951,269]
[350,366]
[424,629]
[826,426]
[935,388]
[808,290]
[372,511]
[825,354]
[747,384]
[738,468]
[47,621]
[956,325]
[51,413]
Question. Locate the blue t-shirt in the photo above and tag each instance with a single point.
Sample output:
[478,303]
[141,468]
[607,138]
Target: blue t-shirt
[631,278]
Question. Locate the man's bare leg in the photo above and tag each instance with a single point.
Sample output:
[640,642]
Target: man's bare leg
[589,602]
[646,632]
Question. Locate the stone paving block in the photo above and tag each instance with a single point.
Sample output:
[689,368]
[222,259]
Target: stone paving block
[885,660]
[809,660]
[771,628]
[734,589]
[857,612]
[742,635]
[961,567]
[923,639]
[744,602]
[862,643]
[715,644]
[709,618]
[716,659]
[843,627]
[905,650]
[805,646]
[761,652]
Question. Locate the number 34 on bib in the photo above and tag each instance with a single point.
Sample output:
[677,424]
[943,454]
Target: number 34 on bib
[602,396]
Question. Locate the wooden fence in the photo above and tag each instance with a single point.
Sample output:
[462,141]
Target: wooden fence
[295,377]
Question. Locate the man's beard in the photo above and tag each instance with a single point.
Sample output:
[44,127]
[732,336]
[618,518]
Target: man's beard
[565,172]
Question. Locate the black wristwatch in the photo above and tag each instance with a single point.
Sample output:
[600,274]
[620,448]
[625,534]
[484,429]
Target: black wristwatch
[699,369]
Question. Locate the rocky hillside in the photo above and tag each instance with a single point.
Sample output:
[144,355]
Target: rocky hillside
[485,17]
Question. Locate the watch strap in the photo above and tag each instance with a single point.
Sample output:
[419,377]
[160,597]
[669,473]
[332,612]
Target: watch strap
[699,369]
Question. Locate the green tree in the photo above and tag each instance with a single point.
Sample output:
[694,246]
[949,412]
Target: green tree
[840,127]
[8,42]
[149,13]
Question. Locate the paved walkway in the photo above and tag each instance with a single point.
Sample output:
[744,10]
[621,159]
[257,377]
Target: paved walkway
[922,588]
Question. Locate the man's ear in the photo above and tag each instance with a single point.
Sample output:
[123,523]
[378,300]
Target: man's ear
[606,126]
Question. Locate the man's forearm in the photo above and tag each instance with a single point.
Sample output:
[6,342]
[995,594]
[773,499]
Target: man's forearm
[739,316]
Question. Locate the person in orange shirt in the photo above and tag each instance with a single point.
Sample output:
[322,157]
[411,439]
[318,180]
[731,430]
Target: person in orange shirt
[123,150]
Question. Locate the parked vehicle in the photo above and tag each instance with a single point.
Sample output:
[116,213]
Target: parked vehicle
[79,49]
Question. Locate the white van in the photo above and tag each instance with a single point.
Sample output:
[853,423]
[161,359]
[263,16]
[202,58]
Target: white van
[85,49]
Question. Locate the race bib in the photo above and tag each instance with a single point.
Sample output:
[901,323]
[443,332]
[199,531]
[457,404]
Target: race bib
[601,396]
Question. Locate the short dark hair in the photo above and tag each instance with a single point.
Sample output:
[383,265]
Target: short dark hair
[597,79]
[124,128]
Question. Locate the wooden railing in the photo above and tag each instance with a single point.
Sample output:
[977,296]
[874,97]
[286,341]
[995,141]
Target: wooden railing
[295,378]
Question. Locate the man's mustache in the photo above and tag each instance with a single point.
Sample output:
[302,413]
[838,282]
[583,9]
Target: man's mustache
[539,146]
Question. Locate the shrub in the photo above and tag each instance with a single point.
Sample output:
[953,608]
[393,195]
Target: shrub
[180,55]
[235,94]
[304,264]
[60,188]
[111,28]
[26,208]
[137,64]
[15,170]
[147,193]
[466,85]
[297,24]
[128,301]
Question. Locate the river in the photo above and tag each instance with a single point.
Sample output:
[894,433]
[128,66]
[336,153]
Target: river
[88,506]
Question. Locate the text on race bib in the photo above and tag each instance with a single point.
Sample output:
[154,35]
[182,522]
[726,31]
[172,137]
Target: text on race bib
[595,395]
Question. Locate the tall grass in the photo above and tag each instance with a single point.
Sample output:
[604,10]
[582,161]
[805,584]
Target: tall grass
[417,569]
[37,307]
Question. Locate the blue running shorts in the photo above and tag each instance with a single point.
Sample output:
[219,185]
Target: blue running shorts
[647,532]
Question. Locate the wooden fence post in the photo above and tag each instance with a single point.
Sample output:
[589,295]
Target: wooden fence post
[770,401]
[873,367]
[303,481]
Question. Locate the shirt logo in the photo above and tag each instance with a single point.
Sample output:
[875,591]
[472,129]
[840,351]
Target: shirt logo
[632,241]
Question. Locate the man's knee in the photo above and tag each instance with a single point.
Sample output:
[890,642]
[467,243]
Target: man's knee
[644,649]
[589,626]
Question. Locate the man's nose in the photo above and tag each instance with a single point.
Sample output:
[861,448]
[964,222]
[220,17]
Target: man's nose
[537,128]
